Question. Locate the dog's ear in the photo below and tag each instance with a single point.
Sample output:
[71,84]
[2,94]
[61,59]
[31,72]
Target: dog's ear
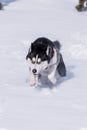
[61,67]
[29,51]
[49,51]
[27,56]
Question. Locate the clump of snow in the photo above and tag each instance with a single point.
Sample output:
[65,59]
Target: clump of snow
[3,129]
[83,128]
[5,2]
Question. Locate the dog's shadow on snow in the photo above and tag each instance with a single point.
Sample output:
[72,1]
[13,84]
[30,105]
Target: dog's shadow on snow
[45,83]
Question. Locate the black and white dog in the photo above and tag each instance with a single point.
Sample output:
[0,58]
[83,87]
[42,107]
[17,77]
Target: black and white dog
[45,60]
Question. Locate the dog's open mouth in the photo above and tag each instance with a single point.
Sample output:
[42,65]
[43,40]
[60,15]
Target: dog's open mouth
[37,75]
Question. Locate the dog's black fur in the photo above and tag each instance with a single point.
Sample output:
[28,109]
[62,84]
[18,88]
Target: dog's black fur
[61,67]
[39,47]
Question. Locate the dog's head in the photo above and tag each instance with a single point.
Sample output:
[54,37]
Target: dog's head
[39,56]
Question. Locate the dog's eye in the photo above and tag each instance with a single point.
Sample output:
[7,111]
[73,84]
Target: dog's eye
[33,60]
[39,61]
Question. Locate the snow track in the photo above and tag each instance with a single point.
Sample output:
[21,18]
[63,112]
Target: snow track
[59,107]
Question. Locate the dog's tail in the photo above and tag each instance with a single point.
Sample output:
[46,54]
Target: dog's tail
[57,44]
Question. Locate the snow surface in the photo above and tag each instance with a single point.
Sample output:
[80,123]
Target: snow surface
[62,107]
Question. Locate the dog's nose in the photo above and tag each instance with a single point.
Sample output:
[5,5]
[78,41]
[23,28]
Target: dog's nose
[34,71]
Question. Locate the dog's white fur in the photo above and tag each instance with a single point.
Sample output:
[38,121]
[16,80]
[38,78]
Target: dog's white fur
[45,69]
[53,64]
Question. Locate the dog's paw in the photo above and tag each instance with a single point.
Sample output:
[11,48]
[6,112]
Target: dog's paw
[32,84]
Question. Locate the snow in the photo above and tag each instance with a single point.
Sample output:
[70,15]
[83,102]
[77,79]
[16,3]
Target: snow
[63,107]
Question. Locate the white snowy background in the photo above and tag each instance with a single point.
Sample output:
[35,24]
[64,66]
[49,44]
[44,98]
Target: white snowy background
[63,107]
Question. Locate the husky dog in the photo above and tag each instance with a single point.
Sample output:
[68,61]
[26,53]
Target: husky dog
[45,60]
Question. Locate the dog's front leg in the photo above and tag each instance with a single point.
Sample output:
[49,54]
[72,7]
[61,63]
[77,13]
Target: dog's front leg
[32,79]
[52,77]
